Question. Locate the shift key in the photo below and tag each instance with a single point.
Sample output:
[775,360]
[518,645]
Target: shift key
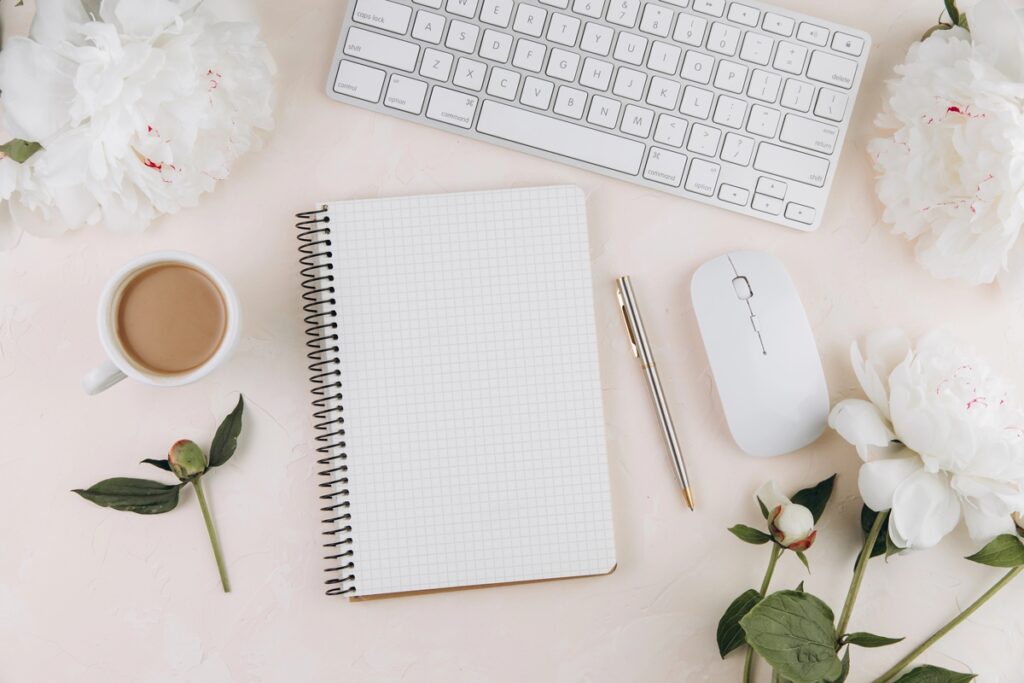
[788,163]
[373,47]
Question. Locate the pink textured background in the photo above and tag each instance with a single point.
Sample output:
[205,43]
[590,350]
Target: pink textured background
[88,594]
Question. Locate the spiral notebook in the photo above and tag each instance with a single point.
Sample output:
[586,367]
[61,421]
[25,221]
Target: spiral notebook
[457,387]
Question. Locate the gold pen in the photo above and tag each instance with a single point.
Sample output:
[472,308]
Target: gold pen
[642,350]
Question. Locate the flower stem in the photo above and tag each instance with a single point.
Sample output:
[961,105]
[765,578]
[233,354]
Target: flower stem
[858,572]
[214,541]
[953,623]
[772,561]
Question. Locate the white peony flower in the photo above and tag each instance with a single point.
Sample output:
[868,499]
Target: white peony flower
[940,437]
[951,176]
[141,106]
[791,524]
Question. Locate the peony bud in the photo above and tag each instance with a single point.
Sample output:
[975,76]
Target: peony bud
[187,460]
[792,525]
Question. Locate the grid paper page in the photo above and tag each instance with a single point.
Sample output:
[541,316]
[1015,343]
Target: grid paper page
[472,395]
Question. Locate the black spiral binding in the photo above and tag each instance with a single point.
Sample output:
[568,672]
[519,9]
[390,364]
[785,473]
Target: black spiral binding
[322,330]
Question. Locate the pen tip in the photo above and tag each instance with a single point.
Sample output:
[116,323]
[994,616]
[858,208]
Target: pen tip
[689,497]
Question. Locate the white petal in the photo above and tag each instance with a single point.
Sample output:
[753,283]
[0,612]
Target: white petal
[771,497]
[862,424]
[878,480]
[924,510]
[883,351]
[984,527]
[795,522]
[10,234]
[999,28]
[37,87]
[55,21]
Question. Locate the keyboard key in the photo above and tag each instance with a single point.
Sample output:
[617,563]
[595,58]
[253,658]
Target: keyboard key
[764,86]
[730,112]
[630,48]
[497,12]
[383,14]
[723,39]
[664,57]
[596,74]
[790,58]
[560,4]
[703,177]
[733,195]
[435,4]
[763,121]
[597,39]
[697,67]
[503,83]
[436,64]
[704,140]
[563,65]
[778,24]
[797,95]
[589,8]
[563,29]
[604,111]
[637,121]
[737,149]
[744,14]
[670,130]
[715,8]
[561,137]
[570,102]
[757,48]
[428,27]
[462,8]
[790,164]
[665,167]
[469,74]
[357,80]
[766,204]
[800,213]
[623,12]
[529,55]
[537,93]
[629,83]
[380,49]
[847,44]
[406,94]
[663,93]
[815,35]
[656,20]
[696,102]
[771,187]
[690,30]
[450,106]
[809,134]
[530,20]
[731,77]
[496,46]
[831,105]
[462,37]
[828,68]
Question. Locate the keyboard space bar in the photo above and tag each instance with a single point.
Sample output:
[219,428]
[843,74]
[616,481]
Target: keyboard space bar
[560,137]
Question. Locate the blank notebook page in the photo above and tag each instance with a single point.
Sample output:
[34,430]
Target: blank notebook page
[472,399]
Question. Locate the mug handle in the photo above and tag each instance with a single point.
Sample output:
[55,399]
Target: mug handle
[102,378]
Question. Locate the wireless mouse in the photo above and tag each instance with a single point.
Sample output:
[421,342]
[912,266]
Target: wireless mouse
[762,353]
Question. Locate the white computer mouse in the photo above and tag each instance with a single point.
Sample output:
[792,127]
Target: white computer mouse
[762,352]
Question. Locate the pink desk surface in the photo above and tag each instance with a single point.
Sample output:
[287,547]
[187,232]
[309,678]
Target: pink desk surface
[88,594]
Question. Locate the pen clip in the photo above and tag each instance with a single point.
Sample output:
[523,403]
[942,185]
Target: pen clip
[625,321]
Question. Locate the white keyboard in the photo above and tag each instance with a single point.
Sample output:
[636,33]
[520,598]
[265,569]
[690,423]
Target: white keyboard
[740,105]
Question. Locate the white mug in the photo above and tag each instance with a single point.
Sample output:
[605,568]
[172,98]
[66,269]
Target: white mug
[119,366]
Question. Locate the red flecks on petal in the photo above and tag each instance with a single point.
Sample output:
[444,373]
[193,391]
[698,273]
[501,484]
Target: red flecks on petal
[954,109]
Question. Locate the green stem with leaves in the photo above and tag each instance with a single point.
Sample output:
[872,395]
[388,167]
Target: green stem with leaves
[772,561]
[858,572]
[214,540]
[953,623]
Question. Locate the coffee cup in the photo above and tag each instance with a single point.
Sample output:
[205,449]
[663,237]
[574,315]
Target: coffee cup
[165,319]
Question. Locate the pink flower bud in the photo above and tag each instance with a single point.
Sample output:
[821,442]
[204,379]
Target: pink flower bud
[187,460]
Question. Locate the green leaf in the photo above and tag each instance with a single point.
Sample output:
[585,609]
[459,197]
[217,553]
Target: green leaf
[226,439]
[730,635]
[803,558]
[800,587]
[816,498]
[867,518]
[19,150]
[1003,551]
[764,510]
[863,639]
[934,674]
[952,11]
[143,496]
[845,673]
[795,633]
[749,534]
[162,464]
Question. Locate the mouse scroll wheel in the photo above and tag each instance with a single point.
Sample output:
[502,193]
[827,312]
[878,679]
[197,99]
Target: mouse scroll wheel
[742,287]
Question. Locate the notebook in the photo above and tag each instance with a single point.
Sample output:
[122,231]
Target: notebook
[457,389]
